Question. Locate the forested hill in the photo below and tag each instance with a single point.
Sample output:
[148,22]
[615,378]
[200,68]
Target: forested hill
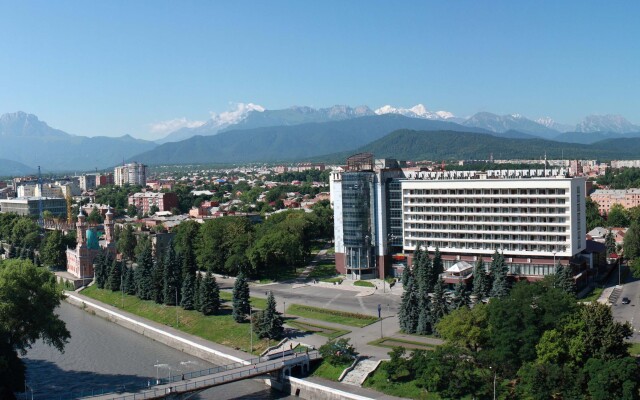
[279,143]
[446,145]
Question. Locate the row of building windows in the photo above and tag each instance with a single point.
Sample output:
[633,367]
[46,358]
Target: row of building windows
[461,235]
[500,201]
[449,246]
[486,192]
[487,210]
[474,228]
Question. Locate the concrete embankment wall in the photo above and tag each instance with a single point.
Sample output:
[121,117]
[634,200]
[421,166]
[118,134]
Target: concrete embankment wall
[299,387]
[176,342]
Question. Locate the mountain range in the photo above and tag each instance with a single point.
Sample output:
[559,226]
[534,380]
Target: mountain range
[27,140]
[249,116]
[253,134]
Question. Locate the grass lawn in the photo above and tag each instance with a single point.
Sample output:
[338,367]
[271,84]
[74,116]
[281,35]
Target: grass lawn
[331,250]
[256,302]
[328,371]
[220,328]
[326,331]
[337,317]
[379,381]
[409,345]
[332,280]
[363,284]
[634,349]
[324,269]
[594,295]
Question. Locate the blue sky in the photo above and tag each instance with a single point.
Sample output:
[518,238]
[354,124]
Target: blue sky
[115,67]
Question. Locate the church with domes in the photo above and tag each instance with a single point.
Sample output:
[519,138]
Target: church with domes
[80,259]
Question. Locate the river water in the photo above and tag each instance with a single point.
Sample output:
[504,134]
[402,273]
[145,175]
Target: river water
[102,355]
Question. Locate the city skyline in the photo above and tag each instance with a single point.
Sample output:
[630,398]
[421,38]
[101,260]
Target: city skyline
[118,68]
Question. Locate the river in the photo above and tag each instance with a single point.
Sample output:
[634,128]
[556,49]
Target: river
[102,355]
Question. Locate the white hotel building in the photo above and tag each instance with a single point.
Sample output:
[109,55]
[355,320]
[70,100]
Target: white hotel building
[382,212]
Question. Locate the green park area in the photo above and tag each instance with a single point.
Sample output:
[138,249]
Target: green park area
[317,329]
[406,344]
[219,328]
[332,316]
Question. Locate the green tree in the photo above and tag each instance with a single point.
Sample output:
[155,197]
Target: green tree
[481,282]
[408,314]
[115,276]
[632,241]
[99,274]
[563,279]
[618,216]
[466,327]
[460,296]
[188,292]
[126,243]
[172,281]
[439,306]
[184,243]
[610,242]
[132,210]
[398,368]
[518,321]
[130,281]
[338,352]
[28,299]
[209,295]
[241,302]
[157,277]
[95,217]
[25,233]
[53,251]
[270,321]
[613,379]
[594,219]
[144,272]
[500,285]
[197,300]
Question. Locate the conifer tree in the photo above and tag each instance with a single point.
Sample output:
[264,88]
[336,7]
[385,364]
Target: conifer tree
[481,283]
[563,279]
[188,292]
[197,300]
[460,296]
[209,295]
[500,286]
[422,278]
[270,321]
[408,314]
[12,251]
[437,267]
[115,276]
[130,282]
[98,265]
[439,306]
[171,278]
[143,273]
[241,305]
[157,277]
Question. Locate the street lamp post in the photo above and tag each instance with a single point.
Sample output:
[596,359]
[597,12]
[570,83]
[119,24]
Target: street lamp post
[122,289]
[250,325]
[284,309]
[494,382]
[177,322]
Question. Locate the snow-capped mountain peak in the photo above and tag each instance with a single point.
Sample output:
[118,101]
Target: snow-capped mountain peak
[417,111]
[606,123]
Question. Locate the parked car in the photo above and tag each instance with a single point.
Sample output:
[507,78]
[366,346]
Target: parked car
[625,300]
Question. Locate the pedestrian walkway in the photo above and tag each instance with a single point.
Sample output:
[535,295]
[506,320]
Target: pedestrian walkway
[360,372]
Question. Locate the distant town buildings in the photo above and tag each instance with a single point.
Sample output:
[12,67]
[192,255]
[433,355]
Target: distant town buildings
[145,200]
[132,173]
[606,198]
[30,206]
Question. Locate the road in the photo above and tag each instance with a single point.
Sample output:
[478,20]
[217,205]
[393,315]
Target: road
[629,312]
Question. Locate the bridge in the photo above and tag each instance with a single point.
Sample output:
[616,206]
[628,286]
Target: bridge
[183,386]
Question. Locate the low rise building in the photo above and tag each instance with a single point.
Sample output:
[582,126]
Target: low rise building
[143,201]
[606,198]
[31,206]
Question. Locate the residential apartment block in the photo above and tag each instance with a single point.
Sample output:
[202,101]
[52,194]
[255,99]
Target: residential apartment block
[607,198]
[133,174]
[145,200]
[382,212]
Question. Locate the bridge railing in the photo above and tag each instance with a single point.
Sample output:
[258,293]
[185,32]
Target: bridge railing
[232,376]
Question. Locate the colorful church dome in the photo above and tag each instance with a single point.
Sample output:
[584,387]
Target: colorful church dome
[92,240]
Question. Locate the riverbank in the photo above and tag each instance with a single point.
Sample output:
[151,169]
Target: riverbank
[210,351]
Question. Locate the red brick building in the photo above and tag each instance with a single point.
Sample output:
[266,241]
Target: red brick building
[145,200]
